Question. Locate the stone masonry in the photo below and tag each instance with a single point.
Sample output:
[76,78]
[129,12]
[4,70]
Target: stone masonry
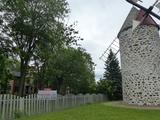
[140,62]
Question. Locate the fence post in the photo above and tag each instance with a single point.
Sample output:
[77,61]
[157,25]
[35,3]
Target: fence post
[11,107]
[21,104]
[3,107]
[30,105]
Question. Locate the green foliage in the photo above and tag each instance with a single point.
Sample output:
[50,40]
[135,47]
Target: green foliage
[33,31]
[103,111]
[112,69]
[71,69]
[105,87]
[113,78]
[2,67]
[32,28]
[4,72]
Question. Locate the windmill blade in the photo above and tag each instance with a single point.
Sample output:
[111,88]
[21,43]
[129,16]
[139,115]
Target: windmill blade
[148,11]
[158,5]
[114,46]
[136,1]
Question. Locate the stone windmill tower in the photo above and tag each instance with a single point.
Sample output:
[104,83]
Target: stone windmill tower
[140,60]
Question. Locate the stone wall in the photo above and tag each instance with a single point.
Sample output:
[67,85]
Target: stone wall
[140,63]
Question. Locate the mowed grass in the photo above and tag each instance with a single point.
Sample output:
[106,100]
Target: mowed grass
[101,111]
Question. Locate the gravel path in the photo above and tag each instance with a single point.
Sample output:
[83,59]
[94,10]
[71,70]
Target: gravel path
[124,105]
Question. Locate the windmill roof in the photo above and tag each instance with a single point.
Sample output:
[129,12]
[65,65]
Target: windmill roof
[147,21]
[136,14]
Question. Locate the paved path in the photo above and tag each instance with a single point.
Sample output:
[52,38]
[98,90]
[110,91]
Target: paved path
[124,105]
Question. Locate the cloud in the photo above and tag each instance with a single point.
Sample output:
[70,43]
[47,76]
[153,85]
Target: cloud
[99,21]
[98,24]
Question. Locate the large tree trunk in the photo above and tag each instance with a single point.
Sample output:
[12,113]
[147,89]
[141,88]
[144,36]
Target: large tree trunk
[24,64]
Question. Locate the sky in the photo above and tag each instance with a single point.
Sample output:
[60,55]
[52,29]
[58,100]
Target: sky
[98,23]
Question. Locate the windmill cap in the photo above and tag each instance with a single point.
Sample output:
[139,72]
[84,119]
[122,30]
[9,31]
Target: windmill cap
[147,21]
[136,14]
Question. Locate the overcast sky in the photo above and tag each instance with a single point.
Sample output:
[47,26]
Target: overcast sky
[99,21]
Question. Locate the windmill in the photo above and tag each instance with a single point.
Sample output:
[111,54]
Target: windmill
[136,23]
[140,56]
[147,11]
[114,46]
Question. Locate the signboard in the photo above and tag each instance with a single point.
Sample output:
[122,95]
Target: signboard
[47,94]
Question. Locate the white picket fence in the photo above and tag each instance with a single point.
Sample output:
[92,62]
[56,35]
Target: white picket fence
[11,105]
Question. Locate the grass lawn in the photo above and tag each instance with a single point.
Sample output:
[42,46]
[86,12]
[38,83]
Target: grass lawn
[102,111]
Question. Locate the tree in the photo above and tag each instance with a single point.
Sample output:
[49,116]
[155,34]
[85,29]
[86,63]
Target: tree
[5,65]
[112,74]
[105,87]
[3,74]
[71,69]
[45,58]
[29,26]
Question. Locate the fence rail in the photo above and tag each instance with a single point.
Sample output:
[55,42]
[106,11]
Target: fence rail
[11,105]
